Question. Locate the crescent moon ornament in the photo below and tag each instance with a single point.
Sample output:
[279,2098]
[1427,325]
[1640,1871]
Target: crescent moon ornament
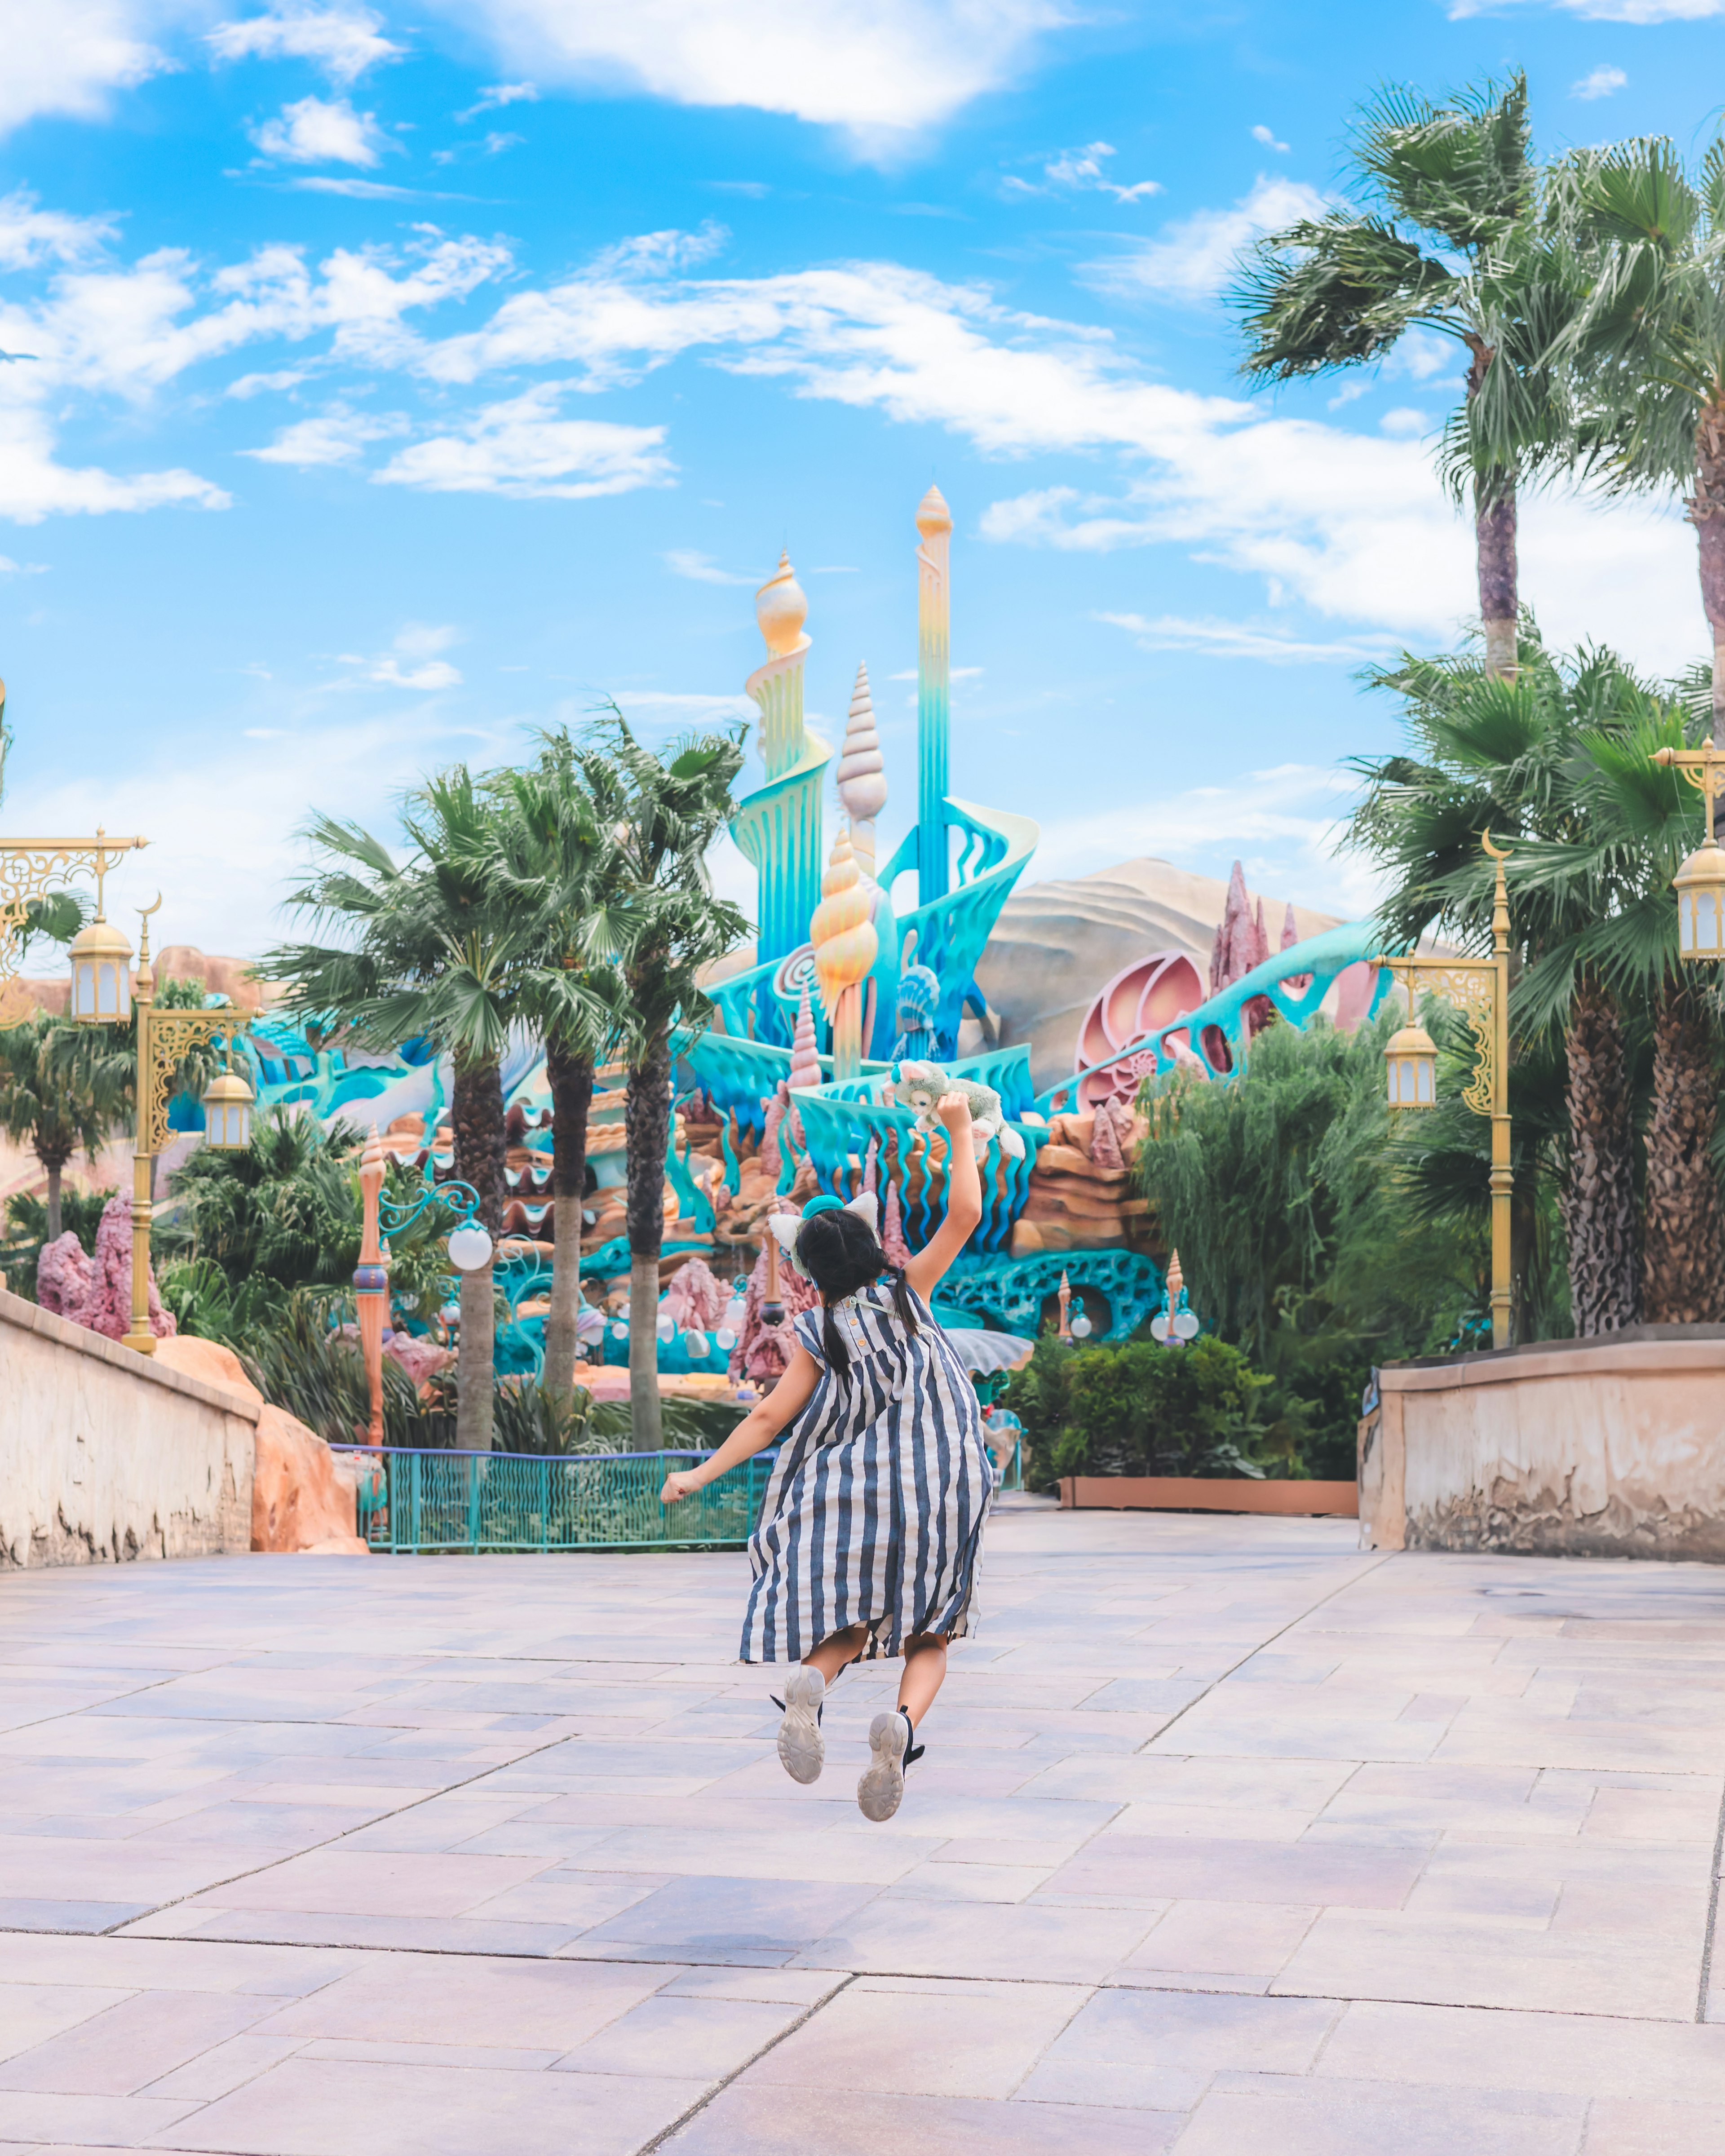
[1497,853]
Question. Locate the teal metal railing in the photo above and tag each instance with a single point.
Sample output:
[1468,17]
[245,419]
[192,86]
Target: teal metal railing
[414,1501]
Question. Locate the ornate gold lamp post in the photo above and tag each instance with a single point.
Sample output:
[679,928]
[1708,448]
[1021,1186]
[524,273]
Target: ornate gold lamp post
[1479,988]
[28,869]
[100,963]
[1700,883]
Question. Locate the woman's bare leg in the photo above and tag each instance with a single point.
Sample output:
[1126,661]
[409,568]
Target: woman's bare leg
[836,1649]
[925,1671]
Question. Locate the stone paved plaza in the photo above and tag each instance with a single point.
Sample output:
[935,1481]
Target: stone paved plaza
[1230,1839]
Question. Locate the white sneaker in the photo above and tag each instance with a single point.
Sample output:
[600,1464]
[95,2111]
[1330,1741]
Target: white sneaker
[881,1789]
[802,1749]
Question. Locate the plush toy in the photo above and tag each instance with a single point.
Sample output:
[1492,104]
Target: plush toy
[920,1085]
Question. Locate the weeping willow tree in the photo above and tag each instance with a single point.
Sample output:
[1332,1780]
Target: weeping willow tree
[1306,1233]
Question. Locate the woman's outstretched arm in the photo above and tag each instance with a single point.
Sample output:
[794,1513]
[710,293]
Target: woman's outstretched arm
[964,1200]
[756,1430]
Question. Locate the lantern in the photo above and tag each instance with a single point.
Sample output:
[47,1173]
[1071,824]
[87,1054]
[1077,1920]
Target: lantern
[228,1112]
[1700,886]
[101,975]
[1412,1060]
[469,1249]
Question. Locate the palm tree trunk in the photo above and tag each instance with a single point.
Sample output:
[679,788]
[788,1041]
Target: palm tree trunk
[1706,512]
[476,1114]
[1598,1199]
[1495,543]
[571,1080]
[646,1116]
[54,1168]
[1684,1241]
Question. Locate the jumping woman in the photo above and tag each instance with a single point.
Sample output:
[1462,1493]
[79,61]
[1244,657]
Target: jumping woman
[872,1521]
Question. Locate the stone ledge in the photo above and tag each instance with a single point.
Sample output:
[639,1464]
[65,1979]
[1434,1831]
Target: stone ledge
[1646,1350]
[26,1316]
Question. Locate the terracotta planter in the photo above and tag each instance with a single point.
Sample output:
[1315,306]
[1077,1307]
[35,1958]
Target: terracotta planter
[1192,1493]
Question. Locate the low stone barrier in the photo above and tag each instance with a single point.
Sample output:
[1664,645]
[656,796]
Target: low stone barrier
[103,1456]
[1194,1493]
[1608,1447]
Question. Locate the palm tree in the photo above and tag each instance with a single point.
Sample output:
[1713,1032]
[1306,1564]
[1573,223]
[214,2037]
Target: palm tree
[556,859]
[1636,821]
[1511,757]
[52,1106]
[431,952]
[1648,343]
[664,816]
[1447,236]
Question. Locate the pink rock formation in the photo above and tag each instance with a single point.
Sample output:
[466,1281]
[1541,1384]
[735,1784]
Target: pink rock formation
[1295,983]
[892,1229]
[763,1351]
[96,1291]
[419,1355]
[1355,986]
[1105,1136]
[694,1298]
[1241,943]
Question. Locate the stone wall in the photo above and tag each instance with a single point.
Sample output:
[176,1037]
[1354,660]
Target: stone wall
[1611,1447]
[103,1456]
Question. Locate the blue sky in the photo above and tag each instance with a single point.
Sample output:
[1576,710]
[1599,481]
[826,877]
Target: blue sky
[402,381]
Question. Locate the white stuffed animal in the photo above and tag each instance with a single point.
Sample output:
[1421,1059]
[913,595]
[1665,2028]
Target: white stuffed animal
[921,1086]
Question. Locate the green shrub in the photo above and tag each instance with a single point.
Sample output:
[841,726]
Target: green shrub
[1138,1409]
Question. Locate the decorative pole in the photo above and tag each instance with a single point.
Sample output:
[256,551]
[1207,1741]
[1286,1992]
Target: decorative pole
[934,638]
[1066,1331]
[1479,988]
[371,1283]
[164,1040]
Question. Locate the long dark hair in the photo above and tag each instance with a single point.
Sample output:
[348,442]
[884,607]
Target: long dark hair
[840,1253]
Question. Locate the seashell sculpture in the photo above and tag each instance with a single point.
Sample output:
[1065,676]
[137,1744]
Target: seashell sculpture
[862,774]
[846,945]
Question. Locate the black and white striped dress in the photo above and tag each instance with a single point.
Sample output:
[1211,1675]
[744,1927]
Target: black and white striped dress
[874,1512]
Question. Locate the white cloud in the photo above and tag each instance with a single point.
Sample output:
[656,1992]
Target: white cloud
[68,56]
[1603,82]
[33,485]
[102,329]
[1193,258]
[521,447]
[1405,420]
[880,72]
[316,130]
[29,236]
[1606,11]
[1239,639]
[344,42]
[702,569]
[1081,171]
[499,94]
[8,568]
[1266,135]
[336,437]
[412,662]
[257,385]
[222,814]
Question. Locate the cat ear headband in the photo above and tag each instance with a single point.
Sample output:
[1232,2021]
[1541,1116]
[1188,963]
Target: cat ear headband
[786,1227]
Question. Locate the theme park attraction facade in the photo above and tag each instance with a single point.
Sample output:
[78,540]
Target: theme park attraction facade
[792,1088]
